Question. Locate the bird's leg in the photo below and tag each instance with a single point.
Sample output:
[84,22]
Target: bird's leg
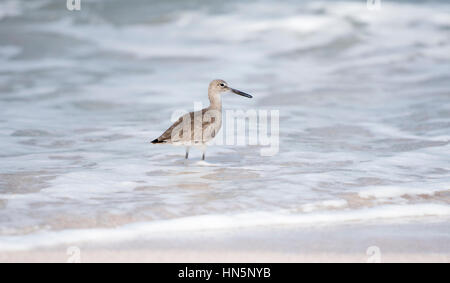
[187,152]
[204,151]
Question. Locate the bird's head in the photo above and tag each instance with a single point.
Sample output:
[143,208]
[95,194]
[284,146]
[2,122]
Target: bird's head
[217,87]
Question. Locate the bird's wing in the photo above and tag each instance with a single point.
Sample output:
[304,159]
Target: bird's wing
[184,128]
[167,135]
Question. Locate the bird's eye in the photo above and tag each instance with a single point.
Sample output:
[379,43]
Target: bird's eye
[222,85]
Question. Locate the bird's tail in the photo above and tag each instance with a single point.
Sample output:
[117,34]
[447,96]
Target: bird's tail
[157,141]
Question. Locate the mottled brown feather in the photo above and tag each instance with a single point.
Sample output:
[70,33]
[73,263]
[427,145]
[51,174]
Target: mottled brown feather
[166,137]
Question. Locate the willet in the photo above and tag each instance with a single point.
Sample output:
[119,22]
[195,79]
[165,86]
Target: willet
[199,127]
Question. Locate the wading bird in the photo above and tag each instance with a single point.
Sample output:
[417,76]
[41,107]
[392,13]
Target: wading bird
[199,127]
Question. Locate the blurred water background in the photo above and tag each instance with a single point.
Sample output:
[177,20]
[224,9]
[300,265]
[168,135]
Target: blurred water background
[364,99]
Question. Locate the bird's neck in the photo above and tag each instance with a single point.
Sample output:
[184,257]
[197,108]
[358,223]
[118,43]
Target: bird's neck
[215,102]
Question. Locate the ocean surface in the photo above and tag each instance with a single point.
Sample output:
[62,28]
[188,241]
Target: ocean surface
[363,97]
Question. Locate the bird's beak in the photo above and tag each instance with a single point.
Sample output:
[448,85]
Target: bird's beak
[241,93]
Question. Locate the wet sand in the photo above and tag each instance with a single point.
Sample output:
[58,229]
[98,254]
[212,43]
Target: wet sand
[412,242]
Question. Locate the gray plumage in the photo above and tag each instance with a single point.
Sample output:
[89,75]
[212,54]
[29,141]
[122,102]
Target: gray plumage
[198,128]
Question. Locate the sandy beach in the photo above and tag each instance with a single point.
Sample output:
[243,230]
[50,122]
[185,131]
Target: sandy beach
[412,242]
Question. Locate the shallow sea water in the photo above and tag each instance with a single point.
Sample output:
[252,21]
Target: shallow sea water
[364,101]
